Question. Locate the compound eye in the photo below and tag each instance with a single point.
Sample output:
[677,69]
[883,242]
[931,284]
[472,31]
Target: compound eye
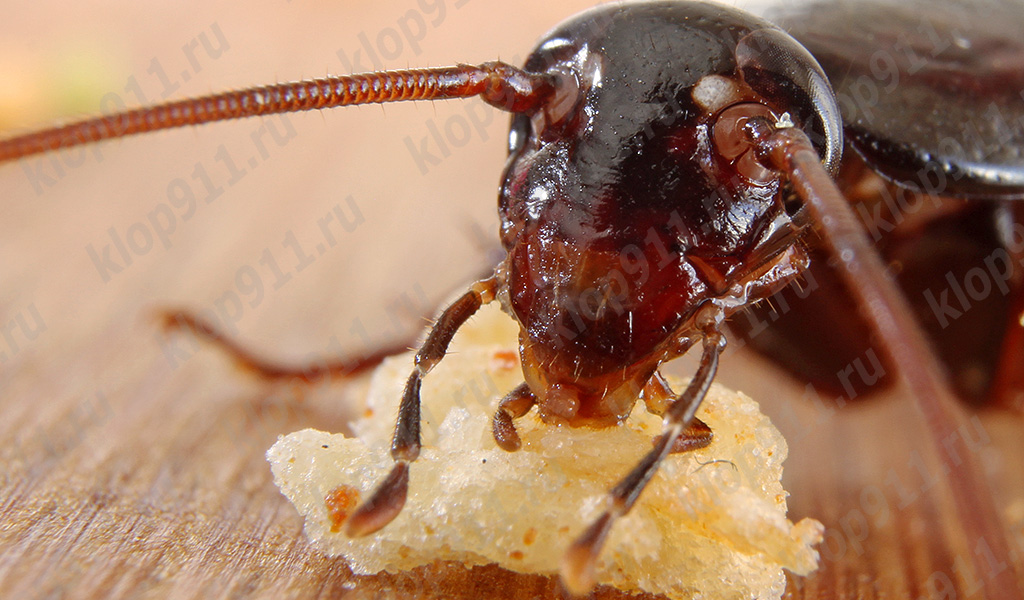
[734,144]
[788,78]
[553,120]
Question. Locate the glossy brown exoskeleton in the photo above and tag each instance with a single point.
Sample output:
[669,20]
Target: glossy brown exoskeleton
[667,160]
[635,202]
[933,108]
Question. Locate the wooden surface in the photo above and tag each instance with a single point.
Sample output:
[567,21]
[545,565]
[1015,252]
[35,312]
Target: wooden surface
[133,466]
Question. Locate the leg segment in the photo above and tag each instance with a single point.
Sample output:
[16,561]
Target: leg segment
[695,436]
[388,499]
[517,403]
[578,565]
[658,396]
[271,371]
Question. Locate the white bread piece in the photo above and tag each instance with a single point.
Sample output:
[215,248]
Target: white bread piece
[712,523]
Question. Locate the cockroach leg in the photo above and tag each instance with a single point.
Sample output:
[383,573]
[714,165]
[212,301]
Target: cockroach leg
[313,371]
[697,435]
[517,403]
[250,362]
[657,396]
[788,150]
[388,499]
[578,565]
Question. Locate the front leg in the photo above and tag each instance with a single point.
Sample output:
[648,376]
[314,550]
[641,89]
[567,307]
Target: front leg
[517,403]
[580,559]
[388,499]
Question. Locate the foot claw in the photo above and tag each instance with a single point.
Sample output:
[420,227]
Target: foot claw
[383,506]
[578,568]
[504,432]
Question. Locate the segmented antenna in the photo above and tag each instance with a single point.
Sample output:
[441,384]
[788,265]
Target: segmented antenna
[790,151]
[498,83]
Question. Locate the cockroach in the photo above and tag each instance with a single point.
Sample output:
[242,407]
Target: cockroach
[670,163]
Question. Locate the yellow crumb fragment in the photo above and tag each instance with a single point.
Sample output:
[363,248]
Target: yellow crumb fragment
[711,524]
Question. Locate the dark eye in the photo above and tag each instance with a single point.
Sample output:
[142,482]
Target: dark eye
[778,68]
[554,117]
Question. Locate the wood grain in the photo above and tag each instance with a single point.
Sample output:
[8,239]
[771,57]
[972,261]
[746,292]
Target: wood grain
[133,465]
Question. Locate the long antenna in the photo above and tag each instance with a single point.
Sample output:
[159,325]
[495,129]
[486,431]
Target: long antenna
[790,151]
[498,83]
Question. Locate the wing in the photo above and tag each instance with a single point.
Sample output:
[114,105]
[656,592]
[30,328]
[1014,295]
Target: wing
[927,89]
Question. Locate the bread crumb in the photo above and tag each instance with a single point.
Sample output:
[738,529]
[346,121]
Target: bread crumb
[340,502]
[711,524]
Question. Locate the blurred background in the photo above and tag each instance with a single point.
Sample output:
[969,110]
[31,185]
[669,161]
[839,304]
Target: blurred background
[133,462]
[420,220]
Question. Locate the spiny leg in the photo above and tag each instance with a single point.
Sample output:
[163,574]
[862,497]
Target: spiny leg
[580,559]
[269,370]
[388,499]
[517,403]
